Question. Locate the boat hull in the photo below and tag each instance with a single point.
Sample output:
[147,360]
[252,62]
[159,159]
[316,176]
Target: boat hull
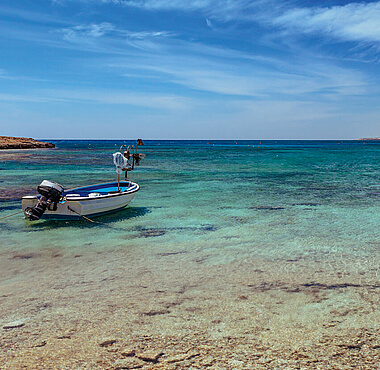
[87,201]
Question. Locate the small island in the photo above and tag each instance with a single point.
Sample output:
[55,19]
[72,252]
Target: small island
[9,142]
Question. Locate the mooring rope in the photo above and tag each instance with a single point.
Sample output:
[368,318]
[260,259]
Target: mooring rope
[86,218]
[70,209]
[16,213]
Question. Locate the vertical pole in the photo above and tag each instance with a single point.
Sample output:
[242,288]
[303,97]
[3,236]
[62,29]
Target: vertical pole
[118,181]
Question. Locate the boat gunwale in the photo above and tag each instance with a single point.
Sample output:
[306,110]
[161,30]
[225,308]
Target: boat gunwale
[135,188]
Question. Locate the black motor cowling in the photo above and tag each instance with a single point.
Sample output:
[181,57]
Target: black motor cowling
[51,193]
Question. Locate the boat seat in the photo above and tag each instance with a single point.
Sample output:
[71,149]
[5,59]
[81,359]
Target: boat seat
[94,195]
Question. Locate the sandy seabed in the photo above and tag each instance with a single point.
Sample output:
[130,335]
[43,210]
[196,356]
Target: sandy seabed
[116,309]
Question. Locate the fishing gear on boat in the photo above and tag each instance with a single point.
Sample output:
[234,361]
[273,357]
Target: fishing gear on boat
[134,156]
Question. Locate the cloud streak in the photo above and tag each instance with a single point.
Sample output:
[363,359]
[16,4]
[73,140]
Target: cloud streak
[159,102]
[96,30]
[356,21]
[260,78]
[351,22]
[201,67]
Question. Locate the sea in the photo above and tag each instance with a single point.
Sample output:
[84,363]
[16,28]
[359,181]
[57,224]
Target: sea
[274,216]
[237,198]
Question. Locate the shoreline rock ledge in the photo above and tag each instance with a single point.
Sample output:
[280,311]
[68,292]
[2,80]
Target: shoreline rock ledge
[9,142]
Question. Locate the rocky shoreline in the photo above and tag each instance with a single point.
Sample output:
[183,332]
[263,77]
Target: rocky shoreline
[9,142]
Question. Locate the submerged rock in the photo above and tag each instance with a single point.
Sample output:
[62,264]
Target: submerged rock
[182,356]
[14,324]
[149,356]
[128,352]
[107,342]
[156,312]
[129,363]
[40,343]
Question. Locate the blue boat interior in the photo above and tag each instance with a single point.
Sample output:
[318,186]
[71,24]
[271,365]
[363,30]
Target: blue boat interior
[102,189]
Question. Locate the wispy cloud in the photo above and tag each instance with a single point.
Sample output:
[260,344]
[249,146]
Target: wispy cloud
[355,21]
[219,9]
[163,4]
[199,66]
[96,30]
[30,16]
[358,21]
[260,78]
[351,22]
[27,98]
[157,101]
[92,30]
[217,70]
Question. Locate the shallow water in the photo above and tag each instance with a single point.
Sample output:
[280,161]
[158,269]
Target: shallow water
[269,221]
[277,199]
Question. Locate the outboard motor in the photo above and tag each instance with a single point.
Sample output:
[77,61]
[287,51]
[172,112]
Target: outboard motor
[51,193]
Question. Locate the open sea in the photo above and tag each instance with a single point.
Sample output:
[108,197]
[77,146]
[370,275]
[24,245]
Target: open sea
[218,223]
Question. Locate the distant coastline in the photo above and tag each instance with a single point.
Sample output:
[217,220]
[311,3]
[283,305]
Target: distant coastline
[369,139]
[10,142]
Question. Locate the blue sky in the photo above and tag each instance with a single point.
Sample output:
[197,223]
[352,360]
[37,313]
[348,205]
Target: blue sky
[190,69]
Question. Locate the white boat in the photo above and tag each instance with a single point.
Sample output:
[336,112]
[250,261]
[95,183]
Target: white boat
[54,202]
[86,201]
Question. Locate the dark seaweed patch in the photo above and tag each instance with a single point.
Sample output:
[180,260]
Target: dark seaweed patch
[153,232]
[25,256]
[313,285]
[149,233]
[267,208]
[307,204]
[241,220]
[372,194]
[170,253]
[338,286]
[208,228]
[10,194]
[156,312]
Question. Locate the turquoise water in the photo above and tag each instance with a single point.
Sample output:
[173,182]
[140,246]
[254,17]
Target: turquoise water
[229,200]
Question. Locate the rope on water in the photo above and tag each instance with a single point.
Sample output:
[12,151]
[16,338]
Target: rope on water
[16,213]
[70,209]
[86,218]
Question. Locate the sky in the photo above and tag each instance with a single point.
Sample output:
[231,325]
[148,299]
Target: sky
[190,69]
